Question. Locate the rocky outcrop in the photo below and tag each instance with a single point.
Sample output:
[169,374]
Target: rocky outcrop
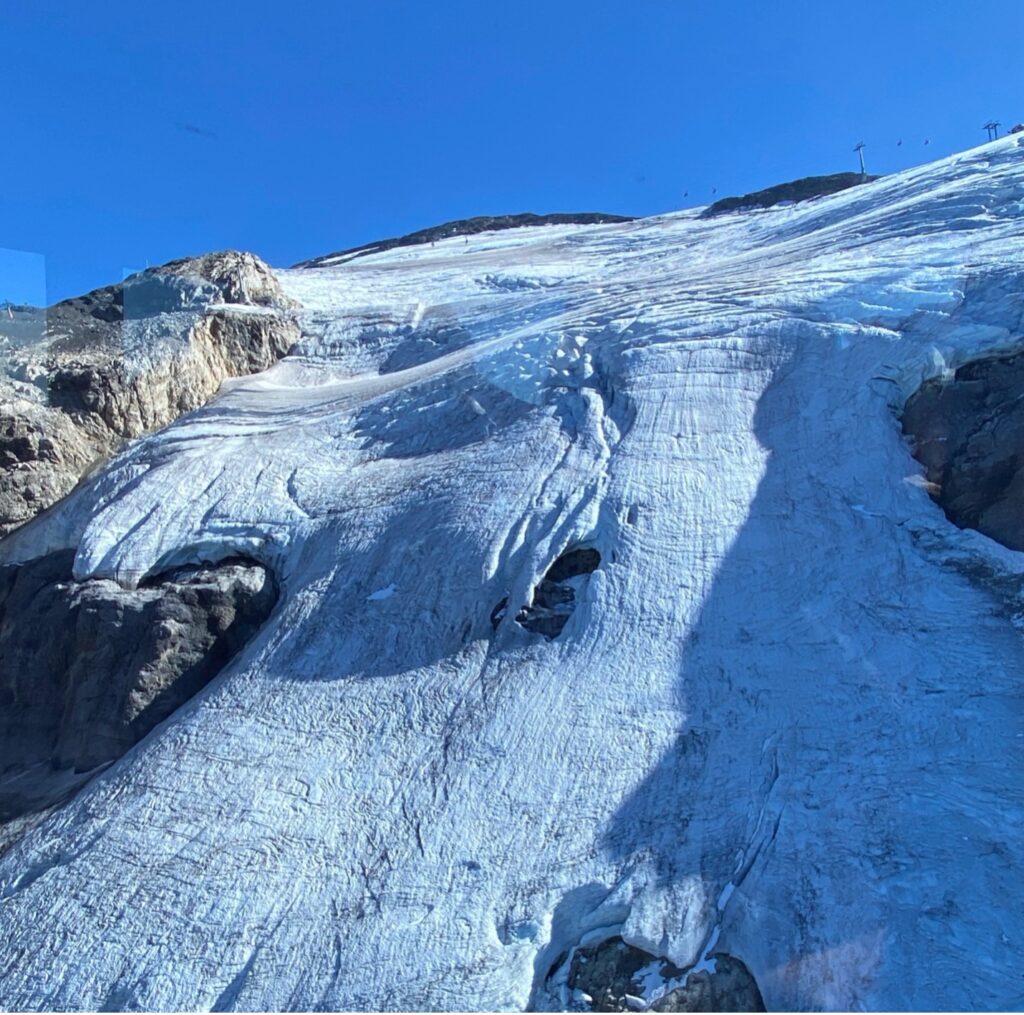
[89,668]
[796,190]
[42,454]
[192,283]
[967,430]
[615,976]
[466,227]
[127,359]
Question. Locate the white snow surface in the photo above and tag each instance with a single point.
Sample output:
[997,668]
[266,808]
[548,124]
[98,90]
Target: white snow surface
[786,712]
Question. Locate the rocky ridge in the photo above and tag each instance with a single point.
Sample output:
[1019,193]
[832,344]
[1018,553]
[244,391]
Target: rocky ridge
[791,192]
[465,227]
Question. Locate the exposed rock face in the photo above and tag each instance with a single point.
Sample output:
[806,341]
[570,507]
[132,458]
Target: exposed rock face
[795,190]
[615,976]
[237,277]
[968,432]
[129,403]
[126,359]
[467,227]
[42,454]
[228,276]
[90,668]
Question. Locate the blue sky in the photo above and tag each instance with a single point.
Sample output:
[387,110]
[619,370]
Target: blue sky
[136,133]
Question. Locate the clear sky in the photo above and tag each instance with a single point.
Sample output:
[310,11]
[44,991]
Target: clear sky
[137,132]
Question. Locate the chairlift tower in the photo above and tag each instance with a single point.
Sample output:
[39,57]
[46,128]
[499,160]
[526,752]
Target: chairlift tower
[992,128]
[859,149]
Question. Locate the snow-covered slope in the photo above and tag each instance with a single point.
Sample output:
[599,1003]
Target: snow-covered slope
[784,718]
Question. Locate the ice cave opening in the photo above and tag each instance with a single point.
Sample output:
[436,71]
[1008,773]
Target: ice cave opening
[612,975]
[556,595]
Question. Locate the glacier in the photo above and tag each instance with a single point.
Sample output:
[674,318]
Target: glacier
[783,717]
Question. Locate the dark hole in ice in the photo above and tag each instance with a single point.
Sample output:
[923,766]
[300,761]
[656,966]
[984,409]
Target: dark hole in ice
[498,613]
[967,431]
[573,563]
[554,598]
[615,976]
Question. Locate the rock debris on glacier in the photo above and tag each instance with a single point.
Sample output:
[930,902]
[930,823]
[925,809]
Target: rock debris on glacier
[779,737]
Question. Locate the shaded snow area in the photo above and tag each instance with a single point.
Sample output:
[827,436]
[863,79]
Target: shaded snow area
[775,731]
